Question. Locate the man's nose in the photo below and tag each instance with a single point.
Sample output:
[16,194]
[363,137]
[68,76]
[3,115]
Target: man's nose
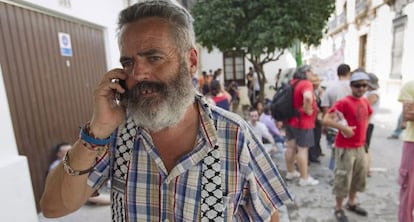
[141,70]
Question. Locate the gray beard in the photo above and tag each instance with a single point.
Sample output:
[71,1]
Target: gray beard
[155,114]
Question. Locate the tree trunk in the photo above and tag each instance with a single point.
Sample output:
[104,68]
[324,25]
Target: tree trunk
[262,80]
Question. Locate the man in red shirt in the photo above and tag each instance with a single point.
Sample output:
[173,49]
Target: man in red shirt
[350,115]
[299,129]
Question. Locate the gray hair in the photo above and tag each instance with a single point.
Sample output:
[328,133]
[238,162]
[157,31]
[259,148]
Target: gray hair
[301,72]
[179,18]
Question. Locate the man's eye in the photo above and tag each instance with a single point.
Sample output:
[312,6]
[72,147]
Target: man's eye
[128,66]
[154,58]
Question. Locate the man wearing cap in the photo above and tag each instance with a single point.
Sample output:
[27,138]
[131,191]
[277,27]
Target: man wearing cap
[350,115]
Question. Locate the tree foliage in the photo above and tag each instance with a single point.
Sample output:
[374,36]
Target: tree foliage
[262,29]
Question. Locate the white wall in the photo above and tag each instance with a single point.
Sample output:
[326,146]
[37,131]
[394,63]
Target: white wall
[407,63]
[210,60]
[16,188]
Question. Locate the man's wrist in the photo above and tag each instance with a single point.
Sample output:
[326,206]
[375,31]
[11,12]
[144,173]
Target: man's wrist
[90,140]
[98,131]
[72,172]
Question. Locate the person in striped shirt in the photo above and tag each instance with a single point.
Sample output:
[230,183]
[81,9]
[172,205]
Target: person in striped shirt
[170,155]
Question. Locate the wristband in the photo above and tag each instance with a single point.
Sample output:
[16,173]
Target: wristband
[88,137]
[69,170]
[92,147]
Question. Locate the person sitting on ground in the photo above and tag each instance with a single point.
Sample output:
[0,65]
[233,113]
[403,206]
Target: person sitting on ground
[267,119]
[261,131]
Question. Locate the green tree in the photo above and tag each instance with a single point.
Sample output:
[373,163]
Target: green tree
[262,29]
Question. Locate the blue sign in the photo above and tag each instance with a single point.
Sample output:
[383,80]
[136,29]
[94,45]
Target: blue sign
[65,44]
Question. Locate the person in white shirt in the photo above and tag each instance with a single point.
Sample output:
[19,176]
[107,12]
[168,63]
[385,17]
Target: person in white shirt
[261,131]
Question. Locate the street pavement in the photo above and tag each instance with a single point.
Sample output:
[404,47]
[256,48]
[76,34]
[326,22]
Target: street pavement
[316,203]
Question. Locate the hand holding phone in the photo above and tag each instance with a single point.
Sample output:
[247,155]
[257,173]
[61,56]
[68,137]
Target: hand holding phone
[117,95]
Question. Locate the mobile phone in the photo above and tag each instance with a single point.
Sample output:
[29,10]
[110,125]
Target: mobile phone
[117,95]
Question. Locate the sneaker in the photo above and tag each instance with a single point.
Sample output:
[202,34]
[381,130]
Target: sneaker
[340,216]
[293,175]
[393,137]
[357,209]
[308,182]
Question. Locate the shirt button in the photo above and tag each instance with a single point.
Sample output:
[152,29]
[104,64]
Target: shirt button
[166,220]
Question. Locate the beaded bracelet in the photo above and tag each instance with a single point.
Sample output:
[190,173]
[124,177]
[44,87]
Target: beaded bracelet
[89,140]
[69,170]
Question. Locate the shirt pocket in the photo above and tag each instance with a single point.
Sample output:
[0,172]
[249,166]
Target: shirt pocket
[403,178]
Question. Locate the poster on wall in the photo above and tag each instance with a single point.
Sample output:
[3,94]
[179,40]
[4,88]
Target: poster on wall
[65,44]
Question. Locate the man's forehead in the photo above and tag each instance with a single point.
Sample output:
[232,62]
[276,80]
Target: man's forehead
[146,43]
[146,30]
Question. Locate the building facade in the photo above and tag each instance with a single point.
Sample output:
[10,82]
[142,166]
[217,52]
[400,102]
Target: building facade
[371,34]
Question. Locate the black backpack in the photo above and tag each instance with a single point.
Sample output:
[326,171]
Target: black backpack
[282,103]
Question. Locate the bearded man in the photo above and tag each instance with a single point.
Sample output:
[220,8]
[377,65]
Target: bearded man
[170,156]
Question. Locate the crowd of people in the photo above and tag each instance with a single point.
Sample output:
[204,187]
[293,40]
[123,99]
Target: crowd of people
[173,150]
[342,110]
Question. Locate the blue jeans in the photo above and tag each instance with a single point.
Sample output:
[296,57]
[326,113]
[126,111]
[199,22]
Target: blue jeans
[398,129]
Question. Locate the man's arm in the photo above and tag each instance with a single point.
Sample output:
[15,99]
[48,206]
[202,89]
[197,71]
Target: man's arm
[329,121]
[372,98]
[275,216]
[324,112]
[64,193]
[408,111]
[307,102]
[266,134]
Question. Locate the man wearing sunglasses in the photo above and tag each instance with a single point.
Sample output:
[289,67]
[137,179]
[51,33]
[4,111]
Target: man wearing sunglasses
[350,115]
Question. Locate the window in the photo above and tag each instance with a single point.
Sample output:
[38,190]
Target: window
[397,47]
[362,51]
[234,67]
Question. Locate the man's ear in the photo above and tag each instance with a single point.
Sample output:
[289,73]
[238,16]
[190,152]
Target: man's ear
[193,60]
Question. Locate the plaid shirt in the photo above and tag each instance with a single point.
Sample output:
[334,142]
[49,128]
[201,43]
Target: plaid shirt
[252,185]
